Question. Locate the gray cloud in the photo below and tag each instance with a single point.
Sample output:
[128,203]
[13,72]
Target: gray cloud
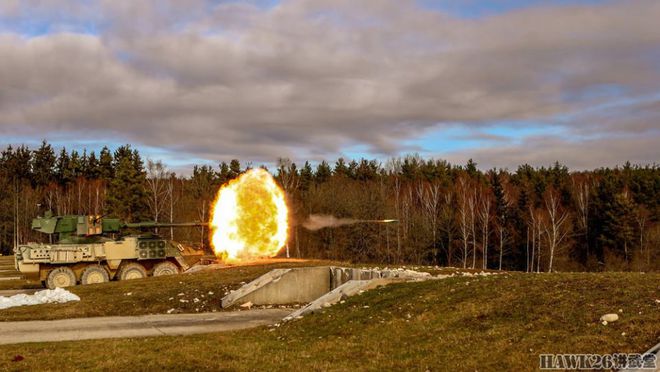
[307,79]
[584,154]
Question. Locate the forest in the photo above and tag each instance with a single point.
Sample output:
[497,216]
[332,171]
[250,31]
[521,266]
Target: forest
[534,219]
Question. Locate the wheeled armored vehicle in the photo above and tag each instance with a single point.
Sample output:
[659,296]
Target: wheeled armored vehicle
[92,249]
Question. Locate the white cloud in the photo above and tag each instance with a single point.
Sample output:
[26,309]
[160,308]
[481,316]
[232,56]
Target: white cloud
[309,78]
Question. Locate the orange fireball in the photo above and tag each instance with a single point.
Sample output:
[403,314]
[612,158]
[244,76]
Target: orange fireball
[249,217]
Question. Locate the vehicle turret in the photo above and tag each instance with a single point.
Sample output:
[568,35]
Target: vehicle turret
[92,228]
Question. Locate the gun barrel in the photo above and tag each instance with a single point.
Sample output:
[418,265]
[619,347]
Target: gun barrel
[378,221]
[147,225]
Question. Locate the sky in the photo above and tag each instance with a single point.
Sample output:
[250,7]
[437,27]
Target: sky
[202,81]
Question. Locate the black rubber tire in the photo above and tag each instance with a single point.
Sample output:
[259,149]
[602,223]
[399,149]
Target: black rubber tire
[94,274]
[132,270]
[165,268]
[61,277]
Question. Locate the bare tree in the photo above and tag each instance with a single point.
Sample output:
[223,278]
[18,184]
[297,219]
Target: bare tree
[290,180]
[472,203]
[527,250]
[641,216]
[287,174]
[447,222]
[173,199]
[466,216]
[536,223]
[80,189]
[503,238]
[99,196]
[397,209]
[202,217]
[429,196]
[484,219]
[557,228]
[501,225]
[581,193]
[540,226]
[408,205]
[157,177]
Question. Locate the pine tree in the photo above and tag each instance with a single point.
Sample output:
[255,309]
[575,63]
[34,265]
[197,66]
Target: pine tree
[43,164]
[224,174]
[75,165]
[126,192]
[306,176]
[341,170]
[471,168]
[234,169]
[106,167]
[92,170]
[63,168]
[323,172]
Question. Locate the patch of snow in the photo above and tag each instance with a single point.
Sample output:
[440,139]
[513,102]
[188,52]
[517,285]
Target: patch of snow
[247,305]
[48,296]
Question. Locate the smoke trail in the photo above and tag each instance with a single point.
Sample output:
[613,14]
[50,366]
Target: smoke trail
[319,221]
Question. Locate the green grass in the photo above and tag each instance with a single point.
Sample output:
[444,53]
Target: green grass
[493,323]
[155,295]
[150,295]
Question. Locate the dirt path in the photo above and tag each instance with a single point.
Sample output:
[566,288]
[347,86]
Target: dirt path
[135,326]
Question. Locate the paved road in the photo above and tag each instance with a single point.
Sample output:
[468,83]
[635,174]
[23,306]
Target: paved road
[135,326]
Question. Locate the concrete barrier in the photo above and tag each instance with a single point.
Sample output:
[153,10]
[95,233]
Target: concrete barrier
[307,284]
[283,286]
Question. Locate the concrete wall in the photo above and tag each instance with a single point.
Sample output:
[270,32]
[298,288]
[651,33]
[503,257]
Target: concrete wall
[300,285]
[306,284]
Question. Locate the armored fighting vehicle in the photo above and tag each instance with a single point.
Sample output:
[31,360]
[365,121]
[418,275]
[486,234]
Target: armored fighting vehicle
[92,249]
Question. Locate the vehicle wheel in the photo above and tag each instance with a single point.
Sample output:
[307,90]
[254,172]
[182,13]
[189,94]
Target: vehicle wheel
[132,270]
[94,274]
[165,268]
[61,277]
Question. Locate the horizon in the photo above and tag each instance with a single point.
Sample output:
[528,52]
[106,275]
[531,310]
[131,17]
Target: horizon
[272,166]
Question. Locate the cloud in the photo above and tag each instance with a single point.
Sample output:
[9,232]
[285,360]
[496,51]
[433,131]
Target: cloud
[584,154]
[309,79]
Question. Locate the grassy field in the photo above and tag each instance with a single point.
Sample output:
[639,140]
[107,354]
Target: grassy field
[500,322]
[150,296]
[186,293]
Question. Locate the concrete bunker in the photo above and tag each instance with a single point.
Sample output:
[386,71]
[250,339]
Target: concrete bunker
[317,286]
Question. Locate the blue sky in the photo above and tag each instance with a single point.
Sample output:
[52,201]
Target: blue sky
[475,9]
[502,82]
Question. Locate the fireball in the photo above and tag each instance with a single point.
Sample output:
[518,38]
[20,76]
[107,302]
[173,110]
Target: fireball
[249,218]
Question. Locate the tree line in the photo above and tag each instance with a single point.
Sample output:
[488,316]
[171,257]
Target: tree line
[534,219]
